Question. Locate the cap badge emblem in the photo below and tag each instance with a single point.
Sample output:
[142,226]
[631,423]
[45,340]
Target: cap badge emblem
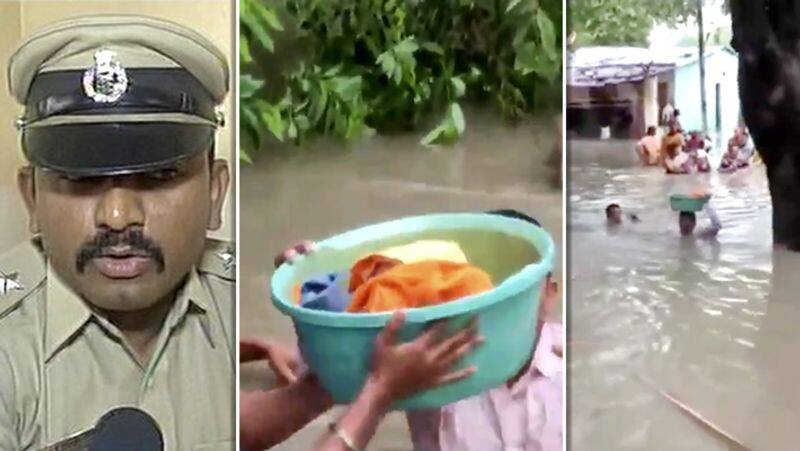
[107,81]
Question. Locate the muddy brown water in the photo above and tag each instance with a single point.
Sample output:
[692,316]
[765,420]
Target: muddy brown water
[713,323]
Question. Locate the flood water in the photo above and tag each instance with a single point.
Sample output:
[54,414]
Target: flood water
[325,189]
[714,324]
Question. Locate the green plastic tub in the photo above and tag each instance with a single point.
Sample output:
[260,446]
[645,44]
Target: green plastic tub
[685,203]
[338,346]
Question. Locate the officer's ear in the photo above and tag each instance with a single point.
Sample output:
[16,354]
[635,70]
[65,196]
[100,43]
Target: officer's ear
[26,181]
[220,178]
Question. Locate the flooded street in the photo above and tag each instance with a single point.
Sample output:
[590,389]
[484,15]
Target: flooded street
[711,323]
[314,193]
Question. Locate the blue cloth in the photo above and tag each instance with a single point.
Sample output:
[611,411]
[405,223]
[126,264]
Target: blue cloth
[326,292]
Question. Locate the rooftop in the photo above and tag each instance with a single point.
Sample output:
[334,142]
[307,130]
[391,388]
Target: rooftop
[598,66]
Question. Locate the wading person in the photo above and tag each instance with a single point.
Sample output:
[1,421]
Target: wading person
[121,299]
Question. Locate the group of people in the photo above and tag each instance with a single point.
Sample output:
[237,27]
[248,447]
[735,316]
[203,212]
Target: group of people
[674,152]
[679,154]
[740,151]
[687,221]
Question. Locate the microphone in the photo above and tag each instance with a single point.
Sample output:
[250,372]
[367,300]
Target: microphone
[120,429]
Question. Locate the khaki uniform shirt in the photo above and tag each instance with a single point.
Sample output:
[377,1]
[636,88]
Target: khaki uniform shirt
[62,366]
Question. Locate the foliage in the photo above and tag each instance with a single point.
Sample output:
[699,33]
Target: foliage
[624,22]
[387,65]
[257,23]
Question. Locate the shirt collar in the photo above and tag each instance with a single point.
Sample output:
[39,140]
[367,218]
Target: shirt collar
[67,312]
[192,297]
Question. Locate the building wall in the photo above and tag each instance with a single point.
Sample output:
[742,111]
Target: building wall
[721,67]
[18,19]
[650,107]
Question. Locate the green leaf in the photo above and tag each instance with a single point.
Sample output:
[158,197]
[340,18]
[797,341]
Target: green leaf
[407,46]
[271,117]
[244,51]
[387,63]
[302,123]
[512,4]
[433,48]
[435,137]
[259,32]
[270,18]
[318,104]
[347,88]
[449,130]
[249,116]
[457,118]
[245,156]
[458,86]
[291,132]
[547,31]
[248,86]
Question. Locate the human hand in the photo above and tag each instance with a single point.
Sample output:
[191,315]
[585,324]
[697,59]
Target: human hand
[291,253]
[284,361]
[400,370]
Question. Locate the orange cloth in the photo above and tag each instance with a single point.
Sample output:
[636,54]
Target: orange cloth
[418,284]
[369,267]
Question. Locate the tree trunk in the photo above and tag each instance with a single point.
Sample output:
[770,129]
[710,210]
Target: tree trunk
[767,38]
[701,43]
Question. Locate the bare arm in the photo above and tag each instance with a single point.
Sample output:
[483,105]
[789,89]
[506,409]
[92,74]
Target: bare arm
[361,419]
[399,371]
[270,417]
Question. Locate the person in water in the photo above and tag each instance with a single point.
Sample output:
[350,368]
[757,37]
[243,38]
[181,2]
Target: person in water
[740,150]
[614,215]
[649,147]
[696,147]
[687,222]
[673,158]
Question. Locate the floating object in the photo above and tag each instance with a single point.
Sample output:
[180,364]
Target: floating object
[712,429]
[688,203]
[338,346]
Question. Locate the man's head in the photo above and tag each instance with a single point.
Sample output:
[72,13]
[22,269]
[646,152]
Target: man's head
[125,242]
[673,129]
[122,183]
[651,131]
[614,214]
[686,222]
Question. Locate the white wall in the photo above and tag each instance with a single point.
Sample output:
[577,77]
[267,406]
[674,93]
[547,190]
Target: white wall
[651,112]
[721,67]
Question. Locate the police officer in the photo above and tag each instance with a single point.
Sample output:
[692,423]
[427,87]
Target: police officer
[119,299]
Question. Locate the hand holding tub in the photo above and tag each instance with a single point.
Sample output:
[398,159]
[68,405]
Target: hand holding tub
[398,370]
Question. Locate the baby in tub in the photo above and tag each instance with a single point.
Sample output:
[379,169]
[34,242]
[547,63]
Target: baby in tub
[524,414]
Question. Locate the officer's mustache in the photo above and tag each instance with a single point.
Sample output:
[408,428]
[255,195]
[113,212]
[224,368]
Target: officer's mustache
[133,239]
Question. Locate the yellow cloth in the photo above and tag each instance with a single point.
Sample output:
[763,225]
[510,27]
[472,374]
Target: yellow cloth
[426,250]
[418,284]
